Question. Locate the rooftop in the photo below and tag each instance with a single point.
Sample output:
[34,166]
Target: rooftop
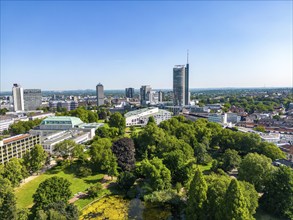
[62,120]
[139,111]
[15,138]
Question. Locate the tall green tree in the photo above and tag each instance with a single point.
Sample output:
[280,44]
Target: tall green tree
[156,174]
[230,160]
[278,193]
[13,171]
[102,156]
[271,151]
[35,159]
[7,200]
[197,197]
[118,121]
[52,190]
[255,169]
[124,150]
[235,203]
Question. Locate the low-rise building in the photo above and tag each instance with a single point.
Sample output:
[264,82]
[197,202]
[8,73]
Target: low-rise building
[60,123]
[17,146]
[5,122]
[141,117]
[78,136]
[41,115]
[218,118]
[270,137]
[233,118]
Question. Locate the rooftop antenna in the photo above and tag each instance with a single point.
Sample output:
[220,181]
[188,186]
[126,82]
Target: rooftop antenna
[187,55]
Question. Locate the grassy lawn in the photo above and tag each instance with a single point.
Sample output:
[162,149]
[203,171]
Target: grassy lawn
[205,167]
[24,194]
[81,203]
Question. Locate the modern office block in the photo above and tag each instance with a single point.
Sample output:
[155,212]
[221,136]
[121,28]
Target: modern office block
[32,99]
[18,102]
[100,94]
[145,93]
[129,92]
[179,85]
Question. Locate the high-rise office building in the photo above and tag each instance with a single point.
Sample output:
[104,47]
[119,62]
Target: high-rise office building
[129,92]
[187,99]
[179,85]
[100,94]
[18,102]
[160,96]
[32,99]
[145,92]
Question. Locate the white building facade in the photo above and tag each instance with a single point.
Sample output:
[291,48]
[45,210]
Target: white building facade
[141,117]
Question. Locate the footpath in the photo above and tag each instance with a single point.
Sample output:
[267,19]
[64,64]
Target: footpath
[30,178]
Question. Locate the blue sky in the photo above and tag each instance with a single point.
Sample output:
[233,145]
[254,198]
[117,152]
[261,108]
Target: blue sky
[58,45]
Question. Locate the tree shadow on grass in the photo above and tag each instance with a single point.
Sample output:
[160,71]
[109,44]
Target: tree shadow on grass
[54,170]
[93,181]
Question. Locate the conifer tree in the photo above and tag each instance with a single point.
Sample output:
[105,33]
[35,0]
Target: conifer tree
[197,197]
[235,203]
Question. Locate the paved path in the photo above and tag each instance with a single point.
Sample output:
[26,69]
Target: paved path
[107,182]
[30,178]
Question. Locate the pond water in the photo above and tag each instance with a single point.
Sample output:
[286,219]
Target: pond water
[115,207]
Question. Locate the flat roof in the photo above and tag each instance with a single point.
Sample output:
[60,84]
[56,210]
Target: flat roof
[72,120]
[15,138]
[139,111]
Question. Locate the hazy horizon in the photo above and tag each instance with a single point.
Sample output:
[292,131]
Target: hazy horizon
[73,45]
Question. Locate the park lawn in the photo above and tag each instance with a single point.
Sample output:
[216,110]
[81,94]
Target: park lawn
[83,202]
[203,168]
[24,194]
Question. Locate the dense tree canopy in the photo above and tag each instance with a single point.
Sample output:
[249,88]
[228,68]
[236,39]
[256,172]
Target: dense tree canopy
[7,200]
[278,193]
[118,121]
[52,190]
[197,197]
[35,159]
[256,169]
[102,156]
[236,206]
[13,171]
[156,174]
[125,152]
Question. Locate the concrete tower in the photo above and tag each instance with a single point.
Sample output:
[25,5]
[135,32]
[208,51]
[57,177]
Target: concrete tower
[17,93]
[100,94]
[179,85]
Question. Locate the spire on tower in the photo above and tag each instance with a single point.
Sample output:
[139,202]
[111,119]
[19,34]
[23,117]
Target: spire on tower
[187,55]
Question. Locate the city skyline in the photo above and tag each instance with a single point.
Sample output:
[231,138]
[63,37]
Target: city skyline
[231,44]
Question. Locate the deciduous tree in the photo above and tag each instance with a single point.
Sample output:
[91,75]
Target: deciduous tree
[278,193]
[125,152]
[255,169]
[7,200]
[52,190]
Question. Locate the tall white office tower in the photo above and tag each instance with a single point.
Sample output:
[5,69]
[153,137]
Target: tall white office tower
[18,102]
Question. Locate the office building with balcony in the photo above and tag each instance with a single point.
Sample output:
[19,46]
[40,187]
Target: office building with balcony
[17,146]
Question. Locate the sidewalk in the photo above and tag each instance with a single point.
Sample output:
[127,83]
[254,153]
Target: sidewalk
[30,178]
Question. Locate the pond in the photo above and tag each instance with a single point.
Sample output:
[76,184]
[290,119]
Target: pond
[116,208]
